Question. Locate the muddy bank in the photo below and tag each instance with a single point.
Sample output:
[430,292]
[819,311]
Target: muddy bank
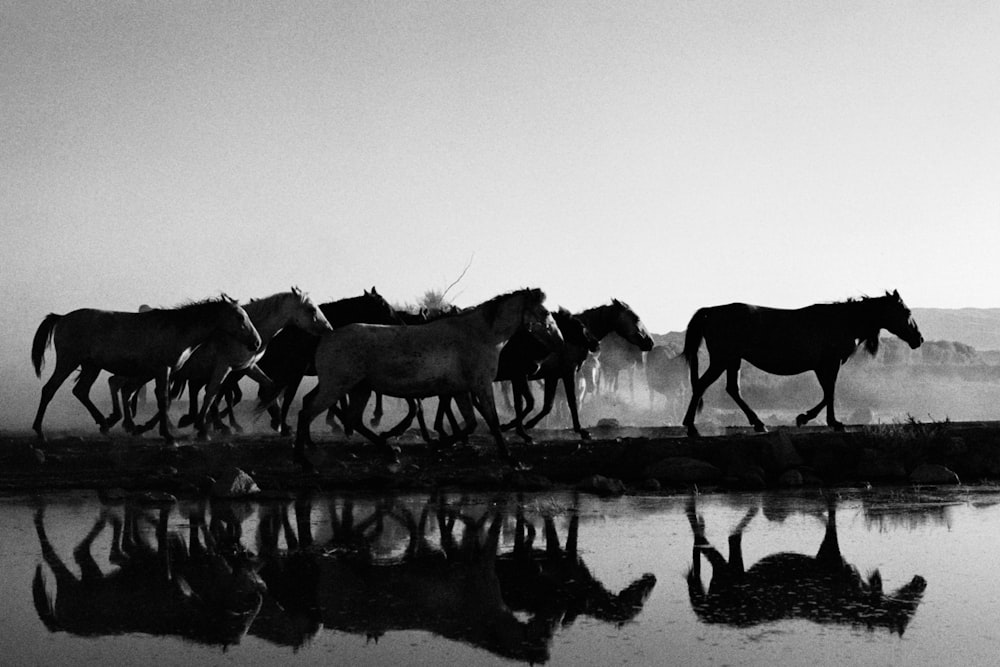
[616,460]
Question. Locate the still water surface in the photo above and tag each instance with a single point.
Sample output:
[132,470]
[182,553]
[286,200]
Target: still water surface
[536,578]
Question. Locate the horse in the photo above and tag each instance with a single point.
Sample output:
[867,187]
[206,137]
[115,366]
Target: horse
[820,338]
[221,356]
[666,374]
[520,358]
[823,588]
[289,356]
[617,356]
[146,344]
[524,357]
[599,321]
[453,355]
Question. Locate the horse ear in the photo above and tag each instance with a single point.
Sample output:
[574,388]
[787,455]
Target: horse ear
[373,291]
[895,293]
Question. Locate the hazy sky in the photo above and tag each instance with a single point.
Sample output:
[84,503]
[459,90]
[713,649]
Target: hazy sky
[669,153]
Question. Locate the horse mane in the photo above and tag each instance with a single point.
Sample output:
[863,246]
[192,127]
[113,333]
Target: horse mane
[271,303]
[491,308]
[191,311]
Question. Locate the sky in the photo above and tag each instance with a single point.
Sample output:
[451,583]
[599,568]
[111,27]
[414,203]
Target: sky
[672,154]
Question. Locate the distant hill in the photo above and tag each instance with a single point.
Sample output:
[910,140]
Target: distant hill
[978,327]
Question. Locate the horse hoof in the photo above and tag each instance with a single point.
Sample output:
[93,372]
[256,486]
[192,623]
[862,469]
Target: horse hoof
[584,434]
[185,421]
[759,428]
[801,420]
[692,432]
[837,426]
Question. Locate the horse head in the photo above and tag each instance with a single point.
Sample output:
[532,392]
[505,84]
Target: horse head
[233,320]
[306,315]
[899,321]
[539,321]
[630,327]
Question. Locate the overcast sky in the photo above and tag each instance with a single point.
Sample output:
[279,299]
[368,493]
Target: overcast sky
[672,154]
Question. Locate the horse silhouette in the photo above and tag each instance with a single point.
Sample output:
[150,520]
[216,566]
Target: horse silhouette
[148,344]
[220,357]
[823,588]
[163,588]
[555,584]
[599,321]
[454,356]
[819,338]
[291,353]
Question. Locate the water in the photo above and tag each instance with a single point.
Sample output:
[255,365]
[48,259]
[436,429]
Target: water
[378,585]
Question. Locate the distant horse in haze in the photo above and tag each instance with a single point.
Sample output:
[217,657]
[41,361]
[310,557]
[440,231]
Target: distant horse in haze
[823,588]
[132,344]
[667,375]
[455,356]
[210,365]
[289,356]
[599,321]
[617,356]
[819,338]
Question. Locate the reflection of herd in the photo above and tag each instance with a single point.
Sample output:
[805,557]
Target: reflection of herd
[495,577]
[358,348]
[446,575]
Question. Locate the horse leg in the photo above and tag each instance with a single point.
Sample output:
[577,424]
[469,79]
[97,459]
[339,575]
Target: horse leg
[89,570]
[406,421]
[162,391]
[550,396]
[733,389]
[59,375]
[569,386]
[483,395]
[88,375]
[290,390]
[698,389]
[524,403]
[115,383]
[377,413]
[828,381]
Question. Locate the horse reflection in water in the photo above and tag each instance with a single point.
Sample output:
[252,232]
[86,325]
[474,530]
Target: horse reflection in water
[554,583]
[823,588]
[457,586]
[160,587]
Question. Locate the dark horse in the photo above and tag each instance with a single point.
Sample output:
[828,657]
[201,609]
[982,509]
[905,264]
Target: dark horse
[289,356]
[817,338]
[150,344]
[599,321]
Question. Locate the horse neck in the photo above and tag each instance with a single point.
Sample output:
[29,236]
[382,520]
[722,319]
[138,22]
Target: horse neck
[191,329]
[507,317]
[863,317]
[600,320]
[268,315]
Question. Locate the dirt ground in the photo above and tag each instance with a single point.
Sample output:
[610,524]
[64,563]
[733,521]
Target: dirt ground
[557,459]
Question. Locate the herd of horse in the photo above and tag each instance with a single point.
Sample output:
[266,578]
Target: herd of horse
[362,346]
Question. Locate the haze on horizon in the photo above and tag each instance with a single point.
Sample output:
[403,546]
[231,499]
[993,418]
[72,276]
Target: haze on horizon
[671,154]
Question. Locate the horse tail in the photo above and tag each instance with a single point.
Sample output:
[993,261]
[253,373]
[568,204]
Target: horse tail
[692,341]
[43,338]
[43,604]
